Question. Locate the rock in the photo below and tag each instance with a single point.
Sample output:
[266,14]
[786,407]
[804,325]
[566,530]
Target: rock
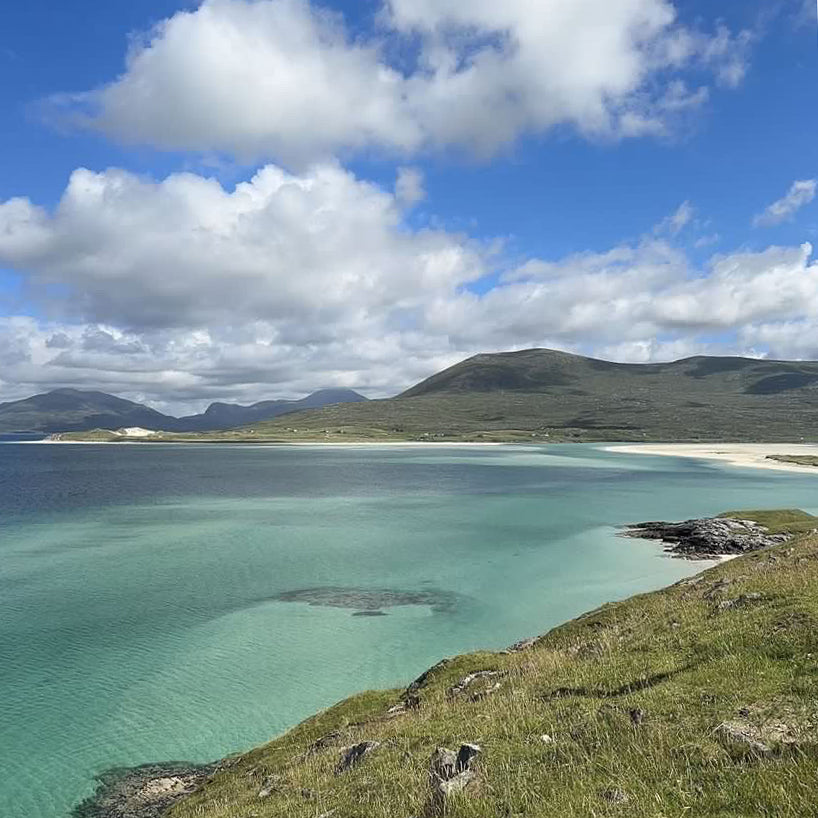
[451,772]
[523,644]
[739,602]
[269,786]
[424,677]
[443,764]
[465,755]
[144,792]
[352,756]
[546,739]
[707,537]
[616,796]
[466,681]
[716,589]
[743,735]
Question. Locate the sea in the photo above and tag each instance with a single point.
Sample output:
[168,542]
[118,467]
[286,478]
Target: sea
[184,602]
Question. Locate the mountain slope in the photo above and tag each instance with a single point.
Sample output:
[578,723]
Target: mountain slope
[517,395]
[65,410]
[75,410]
[230,415]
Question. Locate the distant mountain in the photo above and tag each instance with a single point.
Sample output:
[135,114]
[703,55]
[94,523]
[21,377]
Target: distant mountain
[229,415]
[539,393]
[76,410]
[552,372]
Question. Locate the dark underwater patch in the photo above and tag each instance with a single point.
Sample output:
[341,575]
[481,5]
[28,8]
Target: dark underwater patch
[369,601]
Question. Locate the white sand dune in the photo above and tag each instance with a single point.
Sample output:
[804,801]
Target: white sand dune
[747,455]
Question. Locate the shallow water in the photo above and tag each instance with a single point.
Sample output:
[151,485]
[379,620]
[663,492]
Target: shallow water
[162,602]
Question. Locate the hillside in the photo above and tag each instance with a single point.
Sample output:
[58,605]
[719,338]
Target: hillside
[543,394]
[699,699]
[75,410]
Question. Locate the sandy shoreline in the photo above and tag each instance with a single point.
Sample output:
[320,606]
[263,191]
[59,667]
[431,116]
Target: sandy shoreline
[745,455]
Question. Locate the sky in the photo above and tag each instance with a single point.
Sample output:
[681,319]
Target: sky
[241,200]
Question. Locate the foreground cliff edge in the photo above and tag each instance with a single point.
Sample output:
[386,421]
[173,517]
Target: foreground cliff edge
[699,699]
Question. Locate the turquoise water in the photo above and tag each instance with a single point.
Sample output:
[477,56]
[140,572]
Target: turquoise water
[141,608]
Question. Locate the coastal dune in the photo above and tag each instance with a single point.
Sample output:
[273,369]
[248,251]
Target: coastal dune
[745,455]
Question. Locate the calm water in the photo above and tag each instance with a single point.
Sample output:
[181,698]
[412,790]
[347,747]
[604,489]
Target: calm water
[140,608]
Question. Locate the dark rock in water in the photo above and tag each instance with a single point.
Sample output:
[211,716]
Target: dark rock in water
[368,602]
[370,613]
[143,792]
[707,537]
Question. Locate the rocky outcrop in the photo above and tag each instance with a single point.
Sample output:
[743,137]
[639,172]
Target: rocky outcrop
[143,792]
[450,773]
[707,537]
[352,756]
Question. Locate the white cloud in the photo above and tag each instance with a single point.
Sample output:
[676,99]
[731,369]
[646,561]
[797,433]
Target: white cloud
[285,79]
[409,186]
[676,221]
[181,292]
[801,193]
[304,251]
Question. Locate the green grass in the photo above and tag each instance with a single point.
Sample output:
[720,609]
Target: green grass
[799,459]
[778,521]
[688,663]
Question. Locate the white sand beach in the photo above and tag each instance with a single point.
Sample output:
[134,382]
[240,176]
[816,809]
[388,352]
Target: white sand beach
[747,455]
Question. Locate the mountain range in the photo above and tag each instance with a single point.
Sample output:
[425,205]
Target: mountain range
[75,410]
[535,393]
[539,393]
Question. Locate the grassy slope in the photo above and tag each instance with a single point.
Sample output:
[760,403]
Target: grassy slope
[672,654]
[799,459]
[542,394]
[538,395]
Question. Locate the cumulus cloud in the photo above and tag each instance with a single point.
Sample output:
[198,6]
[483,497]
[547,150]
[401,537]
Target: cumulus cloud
[801,193]
[185,251]
[409,186]
[286,79]
[180,292]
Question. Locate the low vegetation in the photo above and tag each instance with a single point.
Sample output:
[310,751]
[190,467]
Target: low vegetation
[543,395]
[697,700]
[798,459]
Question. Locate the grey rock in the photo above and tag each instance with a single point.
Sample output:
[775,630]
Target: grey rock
[269,786]
[707,537]
[459,688]
[451,772]
[741,734]
[616,796]
[352,756]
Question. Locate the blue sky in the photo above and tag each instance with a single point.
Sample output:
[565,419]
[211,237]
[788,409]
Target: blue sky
[546,186]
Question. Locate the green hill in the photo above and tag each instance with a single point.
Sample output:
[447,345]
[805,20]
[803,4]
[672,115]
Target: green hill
[543,394]
[700,699]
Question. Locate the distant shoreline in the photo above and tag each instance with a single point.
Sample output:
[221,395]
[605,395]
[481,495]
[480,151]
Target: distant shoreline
[266,443]
[743,455]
